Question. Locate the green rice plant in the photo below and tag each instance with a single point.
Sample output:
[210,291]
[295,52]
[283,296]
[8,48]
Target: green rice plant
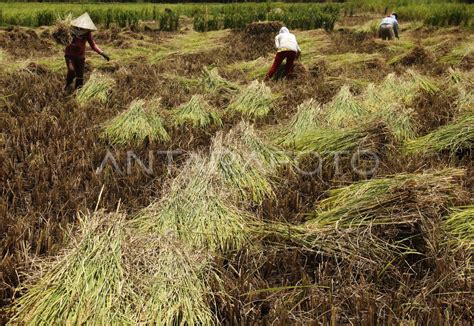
[139,122]
[197,210]
[328,142]
[455,136]
[424,82]
[402,198]
[97,88]
[86,284]
[241,170]
[344,110]
[212,81]
[460,226]
[308,115]
[172,280]
[197,113]
[253,101]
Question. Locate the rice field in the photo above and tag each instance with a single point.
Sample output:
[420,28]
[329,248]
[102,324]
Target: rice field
[179,188]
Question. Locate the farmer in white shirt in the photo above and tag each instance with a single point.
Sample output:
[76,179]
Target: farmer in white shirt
[388,28]
[287,48]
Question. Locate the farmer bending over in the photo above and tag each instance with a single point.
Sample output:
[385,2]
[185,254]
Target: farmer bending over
[75,52]
[287,48]
[388,28]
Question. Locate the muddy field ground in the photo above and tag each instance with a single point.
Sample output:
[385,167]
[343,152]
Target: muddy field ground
[51,150]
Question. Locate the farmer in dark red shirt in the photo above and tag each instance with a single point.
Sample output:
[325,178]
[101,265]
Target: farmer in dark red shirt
[76,51]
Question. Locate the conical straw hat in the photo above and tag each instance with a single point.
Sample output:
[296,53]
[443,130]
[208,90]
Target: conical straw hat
[84,21]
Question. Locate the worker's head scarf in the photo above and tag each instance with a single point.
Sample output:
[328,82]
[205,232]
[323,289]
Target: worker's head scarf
[394,15]
[284,30]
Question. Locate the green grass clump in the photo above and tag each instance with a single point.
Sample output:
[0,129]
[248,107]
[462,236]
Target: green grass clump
[308,115]
[197,113]
[97,88]
[87,284]
[344,110]
[396,199]
[452,137]
[253,101]
[212,81]
[460,226]
[139,122]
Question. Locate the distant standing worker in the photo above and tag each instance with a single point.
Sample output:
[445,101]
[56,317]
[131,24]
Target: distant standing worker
[388,28]
[287,48]
[75,52]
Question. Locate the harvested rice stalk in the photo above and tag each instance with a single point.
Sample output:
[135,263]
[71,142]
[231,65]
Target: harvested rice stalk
[352,244]
[172,280]
[402,198]
[97,88]
[452,137]
[329,142]
[460,226]
[270,155]
[197,210]
[254,101]
[400,122]
[197,113]
[241,170]
[344,110]
[86,284]
[62,30]
[308,116]
[139,122]
[424,82]
[212,81]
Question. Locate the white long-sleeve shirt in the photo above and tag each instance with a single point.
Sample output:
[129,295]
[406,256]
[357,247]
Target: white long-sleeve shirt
[286,41]
[391,20]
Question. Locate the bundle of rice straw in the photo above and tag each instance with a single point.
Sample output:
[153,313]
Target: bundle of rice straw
[390,102]
[62,30]
[197,113]
[240,171]
[197,210]
[212,81]
[402,198]
[139,122]
[464,84]
[399,121]
[329,142]
[453,137]
[97,88]
[308,116]
[86,284]
[344,110]
[246,163]
[460,226]
[355,244]
[172,280]
[423,82]
[254,101]
[268,154]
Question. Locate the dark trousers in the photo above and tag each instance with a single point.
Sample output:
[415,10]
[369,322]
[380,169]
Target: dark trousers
[75,69]
[290,57]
